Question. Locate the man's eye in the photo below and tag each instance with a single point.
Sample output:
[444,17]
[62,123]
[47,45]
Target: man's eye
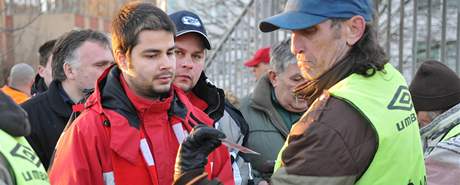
[298,78]
[197,57]
[101,65]
[179,52]
[309,31]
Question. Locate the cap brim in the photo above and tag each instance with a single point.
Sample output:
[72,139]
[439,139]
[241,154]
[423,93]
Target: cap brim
[251,63]
[207,44]
[290,21]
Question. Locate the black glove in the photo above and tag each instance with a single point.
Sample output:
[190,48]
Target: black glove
[193,152]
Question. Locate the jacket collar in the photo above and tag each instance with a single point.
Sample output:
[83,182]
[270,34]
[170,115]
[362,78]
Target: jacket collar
[113,96]
[143,104]
[39,85]
[57,103]
[208,97]
[261,100]
[110,99]
[435,131]
[197,102]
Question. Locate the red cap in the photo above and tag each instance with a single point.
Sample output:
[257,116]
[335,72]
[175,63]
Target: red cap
[262,55]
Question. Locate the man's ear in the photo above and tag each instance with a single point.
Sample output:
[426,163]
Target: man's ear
[69,72]
[41,71]
[355,27]
[273,77]
[121,60]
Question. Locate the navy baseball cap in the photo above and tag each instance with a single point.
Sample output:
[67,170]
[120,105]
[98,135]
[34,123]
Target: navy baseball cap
[302,14]
[188,22]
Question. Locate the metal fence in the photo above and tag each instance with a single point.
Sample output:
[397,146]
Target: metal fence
[224,66]
[415,31]
[411,31]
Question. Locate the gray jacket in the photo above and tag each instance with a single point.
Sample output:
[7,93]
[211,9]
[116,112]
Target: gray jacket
[241,168]
[267,132]
[442,154]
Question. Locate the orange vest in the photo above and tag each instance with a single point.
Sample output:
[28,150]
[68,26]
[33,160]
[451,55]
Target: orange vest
[18,96]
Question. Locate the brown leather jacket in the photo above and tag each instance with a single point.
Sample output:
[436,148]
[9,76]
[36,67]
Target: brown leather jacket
[331,144]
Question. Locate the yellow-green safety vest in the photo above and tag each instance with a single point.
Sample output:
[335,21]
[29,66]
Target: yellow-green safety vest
[26,166]
[385,101]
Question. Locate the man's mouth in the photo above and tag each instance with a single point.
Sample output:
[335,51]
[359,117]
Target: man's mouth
[165,77]
[184,77]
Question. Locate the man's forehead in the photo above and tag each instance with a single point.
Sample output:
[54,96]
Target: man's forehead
[155,40]
[192,36]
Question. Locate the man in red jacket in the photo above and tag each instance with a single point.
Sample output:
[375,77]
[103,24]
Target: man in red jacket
[133,123]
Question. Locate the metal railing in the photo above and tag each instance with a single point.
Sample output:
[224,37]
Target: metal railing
[224,66]
[414,31]
[411,31]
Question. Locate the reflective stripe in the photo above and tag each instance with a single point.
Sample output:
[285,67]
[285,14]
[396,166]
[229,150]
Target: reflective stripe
[211,167]
[108,178]
[250,171]
[148,159]
[179,131]
[146,153]
[236,173]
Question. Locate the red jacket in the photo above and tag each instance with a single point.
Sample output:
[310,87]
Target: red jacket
[103,144]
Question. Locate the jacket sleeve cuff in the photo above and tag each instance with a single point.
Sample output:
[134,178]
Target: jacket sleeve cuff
[195,177]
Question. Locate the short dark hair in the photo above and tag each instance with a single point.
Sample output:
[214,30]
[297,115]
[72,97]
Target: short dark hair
[67,44]
[45,51]
[134,18]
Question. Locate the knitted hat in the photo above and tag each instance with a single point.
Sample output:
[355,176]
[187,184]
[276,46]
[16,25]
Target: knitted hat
[435,87]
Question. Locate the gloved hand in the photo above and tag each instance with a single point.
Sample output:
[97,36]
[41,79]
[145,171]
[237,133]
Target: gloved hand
[193,152]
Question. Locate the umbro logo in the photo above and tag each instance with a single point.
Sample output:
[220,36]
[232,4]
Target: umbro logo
[401,100]
[25,153]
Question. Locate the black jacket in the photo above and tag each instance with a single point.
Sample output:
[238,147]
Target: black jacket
[48,115]
[39,86]
[217,104]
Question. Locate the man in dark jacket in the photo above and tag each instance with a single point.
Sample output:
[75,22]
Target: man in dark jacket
[79,58]
[133,123]
[191,45]
[43,77]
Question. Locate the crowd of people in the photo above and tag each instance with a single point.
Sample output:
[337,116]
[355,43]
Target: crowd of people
[328,108]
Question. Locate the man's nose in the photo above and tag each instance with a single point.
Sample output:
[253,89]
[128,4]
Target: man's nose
[295,47]
[167,62]
[187,62]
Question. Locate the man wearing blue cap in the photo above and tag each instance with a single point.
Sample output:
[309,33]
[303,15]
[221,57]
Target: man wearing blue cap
[361,127]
